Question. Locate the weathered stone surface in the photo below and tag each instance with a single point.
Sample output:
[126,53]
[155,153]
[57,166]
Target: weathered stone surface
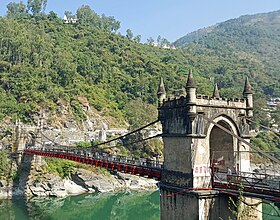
[39,183]
[72,188]
[97,182]
[133,182]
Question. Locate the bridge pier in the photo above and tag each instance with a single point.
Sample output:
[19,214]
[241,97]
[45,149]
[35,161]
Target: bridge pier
[195,205]
[23,137]
[180,204]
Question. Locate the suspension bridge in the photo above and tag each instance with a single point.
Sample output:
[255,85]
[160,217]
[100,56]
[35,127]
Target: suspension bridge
[208,157]
[264,185]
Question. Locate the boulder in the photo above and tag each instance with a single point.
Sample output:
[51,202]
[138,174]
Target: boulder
[97,182]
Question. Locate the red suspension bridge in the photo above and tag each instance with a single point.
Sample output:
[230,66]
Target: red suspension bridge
[263,185]
[142,167]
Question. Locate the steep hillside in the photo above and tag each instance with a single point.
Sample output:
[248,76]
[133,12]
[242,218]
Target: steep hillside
[73,71]
[55,67]
[61,69]
[250,38]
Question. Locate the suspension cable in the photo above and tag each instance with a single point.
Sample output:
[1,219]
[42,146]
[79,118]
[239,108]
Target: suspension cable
[134,142]
[114,139]
[55,143]
[241,139]
[276,133]
[121,137]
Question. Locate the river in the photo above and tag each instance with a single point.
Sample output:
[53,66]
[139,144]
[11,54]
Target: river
[111,206]
[103,206]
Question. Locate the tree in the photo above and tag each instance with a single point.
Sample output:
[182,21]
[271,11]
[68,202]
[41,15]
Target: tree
[129,34]
[150,41]
[164,42]
[4,164]
[36,6]
[86,15]
[69,14]
[15,9]
[137,38]
[139,113]
[159,40]
[109,23]
[53,16]
[275,115]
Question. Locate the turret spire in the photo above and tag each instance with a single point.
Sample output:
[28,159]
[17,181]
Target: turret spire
[247,87]
[190,83]
[248,95]
[161,92]
[191,96]
[161,88]
[216,93]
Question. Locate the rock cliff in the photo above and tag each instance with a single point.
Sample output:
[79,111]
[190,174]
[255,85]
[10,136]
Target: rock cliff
[34,180]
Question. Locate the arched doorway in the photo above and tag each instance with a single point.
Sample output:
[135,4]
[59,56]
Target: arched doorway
[222,145]
[30,139]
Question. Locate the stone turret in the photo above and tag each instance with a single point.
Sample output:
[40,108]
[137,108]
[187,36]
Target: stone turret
[161,92]
[216,93]
[191,93]
[248,95]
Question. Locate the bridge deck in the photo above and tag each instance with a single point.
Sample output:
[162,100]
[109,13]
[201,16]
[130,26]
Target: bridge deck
[141,167]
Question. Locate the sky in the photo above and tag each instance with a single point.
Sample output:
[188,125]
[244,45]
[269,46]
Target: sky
[170,19]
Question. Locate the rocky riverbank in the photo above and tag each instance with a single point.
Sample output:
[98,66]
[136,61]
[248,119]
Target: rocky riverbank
[35,181]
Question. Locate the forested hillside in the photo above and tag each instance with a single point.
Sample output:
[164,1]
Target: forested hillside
[251,38]
[45,62]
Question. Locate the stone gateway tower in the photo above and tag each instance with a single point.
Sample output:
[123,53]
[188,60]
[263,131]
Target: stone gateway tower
[193,140]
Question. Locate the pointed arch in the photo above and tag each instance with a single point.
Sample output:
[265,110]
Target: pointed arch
[222,145]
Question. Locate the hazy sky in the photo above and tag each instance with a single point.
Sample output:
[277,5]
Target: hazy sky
[171,19]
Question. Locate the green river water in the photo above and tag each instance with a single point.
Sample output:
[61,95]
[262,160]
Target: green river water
[121,206]
[104,206]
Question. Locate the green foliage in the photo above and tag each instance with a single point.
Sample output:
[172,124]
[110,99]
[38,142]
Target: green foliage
[8,170]
[66,168]
[16,10]
[139,113]
[267,141]
[275,115]
[63,168]
[77,111]
[136,147]
[36,6]
[43,60]
[86,16]
[123,151]
[84,145]
[248,45]
[239,208]
[129,34]
[4,164]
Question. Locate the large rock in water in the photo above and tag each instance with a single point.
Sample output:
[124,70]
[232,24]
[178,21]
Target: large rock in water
[96,182]
[107,183]
[137,183]
[52,185]
[38,182]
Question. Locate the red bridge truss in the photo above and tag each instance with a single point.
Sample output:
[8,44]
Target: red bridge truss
[142,167]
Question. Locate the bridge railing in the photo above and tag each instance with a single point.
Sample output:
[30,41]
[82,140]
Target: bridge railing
[248,171]
[253,180]
[257,174]
[91,154]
